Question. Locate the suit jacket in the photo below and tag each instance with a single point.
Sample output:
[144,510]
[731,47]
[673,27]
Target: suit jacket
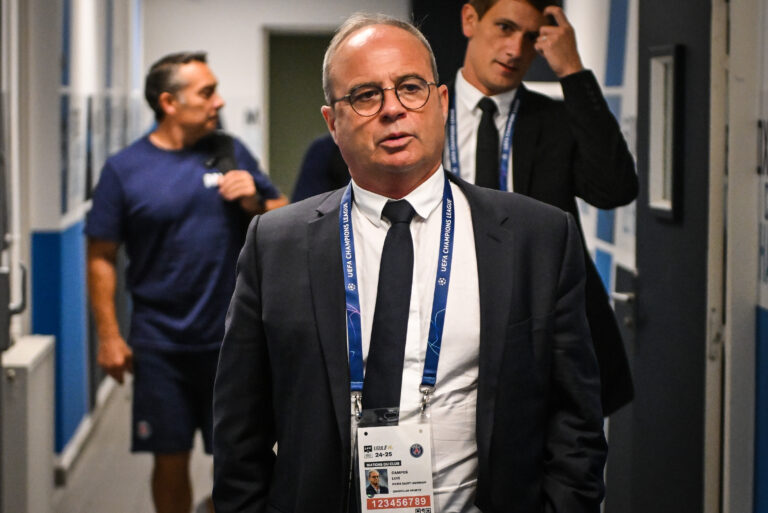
[565,149]
[283,375]
[370,491]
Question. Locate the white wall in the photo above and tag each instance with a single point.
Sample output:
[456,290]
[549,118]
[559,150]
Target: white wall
[233,32]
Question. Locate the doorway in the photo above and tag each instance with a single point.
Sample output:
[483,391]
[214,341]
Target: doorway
[294,100]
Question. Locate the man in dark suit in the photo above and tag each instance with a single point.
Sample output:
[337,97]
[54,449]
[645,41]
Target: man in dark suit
[559,149]
[374,487]
[514,413]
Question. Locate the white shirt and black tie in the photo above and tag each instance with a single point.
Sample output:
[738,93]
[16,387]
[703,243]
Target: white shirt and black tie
[453,405]
[468,117]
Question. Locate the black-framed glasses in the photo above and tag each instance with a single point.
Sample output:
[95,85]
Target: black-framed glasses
[367,100]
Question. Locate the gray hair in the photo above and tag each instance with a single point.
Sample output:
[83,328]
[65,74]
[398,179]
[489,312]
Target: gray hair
[358,21]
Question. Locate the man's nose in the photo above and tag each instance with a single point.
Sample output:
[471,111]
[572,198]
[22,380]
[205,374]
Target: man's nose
[218,101]
[391,106]
[514,44]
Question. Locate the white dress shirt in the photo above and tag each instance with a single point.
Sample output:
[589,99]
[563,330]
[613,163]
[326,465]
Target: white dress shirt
[468,116]
[453,405]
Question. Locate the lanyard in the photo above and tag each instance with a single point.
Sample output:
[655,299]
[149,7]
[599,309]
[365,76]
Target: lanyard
[439,302]
[506,142]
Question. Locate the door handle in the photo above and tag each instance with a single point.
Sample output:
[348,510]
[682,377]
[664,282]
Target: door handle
[17,308]
[627,299]
[623,297]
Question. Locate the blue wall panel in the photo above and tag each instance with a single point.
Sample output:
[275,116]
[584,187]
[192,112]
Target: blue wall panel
[761,413]
[617,43]
[46,283]
[606,222]
[59,308]
[604,264]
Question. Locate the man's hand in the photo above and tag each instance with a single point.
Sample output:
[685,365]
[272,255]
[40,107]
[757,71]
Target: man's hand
[115,357]
[557,44]
[237,184]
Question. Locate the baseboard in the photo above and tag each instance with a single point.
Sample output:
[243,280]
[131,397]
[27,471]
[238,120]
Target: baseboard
[67,459]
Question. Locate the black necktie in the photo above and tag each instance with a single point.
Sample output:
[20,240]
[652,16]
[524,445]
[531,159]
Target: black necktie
[384,366]
[487,154]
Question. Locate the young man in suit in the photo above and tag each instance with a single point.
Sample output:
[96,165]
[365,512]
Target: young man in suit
[503,136]
[514,410]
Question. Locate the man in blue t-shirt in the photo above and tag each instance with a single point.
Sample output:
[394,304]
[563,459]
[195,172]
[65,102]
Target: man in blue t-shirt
[180,199]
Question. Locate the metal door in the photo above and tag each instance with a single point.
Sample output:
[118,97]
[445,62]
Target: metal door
[663,432]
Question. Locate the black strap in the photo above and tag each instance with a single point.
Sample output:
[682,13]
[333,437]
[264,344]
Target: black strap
[221,150]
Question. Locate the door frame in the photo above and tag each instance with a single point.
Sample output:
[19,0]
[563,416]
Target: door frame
[739,71]
[283,30]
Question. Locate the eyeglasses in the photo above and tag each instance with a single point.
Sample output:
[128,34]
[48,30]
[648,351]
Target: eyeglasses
[367,100]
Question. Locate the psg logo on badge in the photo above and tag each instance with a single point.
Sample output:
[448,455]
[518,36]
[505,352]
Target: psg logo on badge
[417,450]
[143,429]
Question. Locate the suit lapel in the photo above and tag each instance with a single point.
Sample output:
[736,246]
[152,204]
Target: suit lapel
[493,245]
[327,289]
[523,144]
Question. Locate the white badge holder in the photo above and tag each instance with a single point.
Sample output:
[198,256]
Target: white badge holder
[394,463]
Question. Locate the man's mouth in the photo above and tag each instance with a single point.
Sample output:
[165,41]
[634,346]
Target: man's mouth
[396,139]
[509,68]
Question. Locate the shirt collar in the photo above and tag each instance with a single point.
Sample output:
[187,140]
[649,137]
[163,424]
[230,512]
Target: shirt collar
[469,95]
[424,198]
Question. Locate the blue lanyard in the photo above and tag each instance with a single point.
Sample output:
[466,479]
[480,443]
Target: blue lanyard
[440,300]
[506,142]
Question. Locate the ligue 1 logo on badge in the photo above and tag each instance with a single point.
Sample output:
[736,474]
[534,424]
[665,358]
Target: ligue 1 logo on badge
[417,450]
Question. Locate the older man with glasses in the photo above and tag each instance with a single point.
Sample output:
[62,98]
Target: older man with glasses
[410,321]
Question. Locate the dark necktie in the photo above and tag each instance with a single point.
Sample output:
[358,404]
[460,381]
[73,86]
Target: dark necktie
[487,153]
[384,366]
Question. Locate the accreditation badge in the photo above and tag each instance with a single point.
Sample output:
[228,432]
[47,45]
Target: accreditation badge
[395,468]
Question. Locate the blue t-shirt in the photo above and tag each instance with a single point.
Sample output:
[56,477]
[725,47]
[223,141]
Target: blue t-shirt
[181,237]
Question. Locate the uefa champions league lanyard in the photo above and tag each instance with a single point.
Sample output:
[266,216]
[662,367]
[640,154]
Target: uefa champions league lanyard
[439,302]
[506,142]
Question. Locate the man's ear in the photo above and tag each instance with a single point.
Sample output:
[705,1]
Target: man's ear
[442,92]
[330,119]
[168,102]
[469,19]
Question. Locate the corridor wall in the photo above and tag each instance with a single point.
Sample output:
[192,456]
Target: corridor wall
[76,97]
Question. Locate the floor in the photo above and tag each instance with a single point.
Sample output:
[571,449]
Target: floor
[107,478]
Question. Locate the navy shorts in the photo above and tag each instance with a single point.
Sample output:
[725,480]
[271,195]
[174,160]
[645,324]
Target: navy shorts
[172,398]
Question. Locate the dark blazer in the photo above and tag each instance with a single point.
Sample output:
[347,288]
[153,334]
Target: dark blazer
[370,491]
[565,149]
[283,375]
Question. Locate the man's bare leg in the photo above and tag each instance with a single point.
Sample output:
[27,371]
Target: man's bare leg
[171,487]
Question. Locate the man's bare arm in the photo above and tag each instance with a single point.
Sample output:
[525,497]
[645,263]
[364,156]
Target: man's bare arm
[115,357]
